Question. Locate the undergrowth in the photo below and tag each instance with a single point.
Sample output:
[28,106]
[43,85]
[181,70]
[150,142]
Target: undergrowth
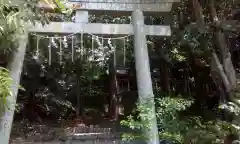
[172,127]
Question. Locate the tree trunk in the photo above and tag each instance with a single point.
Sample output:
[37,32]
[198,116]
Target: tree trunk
[225,56]
[197,87]
[227,71]
[218,73]
[164,71]
[164,77]
[113,86]
[222,70]
[79,110]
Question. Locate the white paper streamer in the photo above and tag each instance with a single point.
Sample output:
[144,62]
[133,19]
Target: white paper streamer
[49,53]
[73,49]
[61,52]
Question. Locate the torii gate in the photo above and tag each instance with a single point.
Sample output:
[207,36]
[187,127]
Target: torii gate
[137,28]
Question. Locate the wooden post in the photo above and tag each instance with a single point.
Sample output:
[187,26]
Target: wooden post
[113,88]
[15,73]
[144,81]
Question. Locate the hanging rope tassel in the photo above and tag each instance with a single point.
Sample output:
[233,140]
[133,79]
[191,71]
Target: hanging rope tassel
[65,42]
[92,52]
[114,52]
[38,39]
[36,54]
[53,42]
[73,50]
[124,52]
[61,52]
[49,53]
[81,47]
[37,51]
[103,55]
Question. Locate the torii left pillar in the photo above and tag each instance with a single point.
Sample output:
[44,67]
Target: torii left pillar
[15,73]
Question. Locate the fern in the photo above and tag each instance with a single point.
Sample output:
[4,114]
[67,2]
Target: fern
[5,86]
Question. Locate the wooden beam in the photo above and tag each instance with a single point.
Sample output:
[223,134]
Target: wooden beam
[98,28]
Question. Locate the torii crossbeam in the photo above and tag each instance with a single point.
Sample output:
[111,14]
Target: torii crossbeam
[99,28]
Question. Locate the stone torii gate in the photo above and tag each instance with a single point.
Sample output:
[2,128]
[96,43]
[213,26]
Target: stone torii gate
[81,24]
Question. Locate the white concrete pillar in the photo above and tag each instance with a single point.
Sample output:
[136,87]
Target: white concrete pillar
[81,16]
[144,81]
[15,73]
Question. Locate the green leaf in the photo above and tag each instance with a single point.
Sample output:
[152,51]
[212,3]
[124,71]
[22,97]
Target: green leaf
[60,5]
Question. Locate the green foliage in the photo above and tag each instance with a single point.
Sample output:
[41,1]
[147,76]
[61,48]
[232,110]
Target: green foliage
[176,128]
[6,82]
[169,123]
[213,132]
[230,107]
[171,126]
[196,41]
[5,85]
[13,20]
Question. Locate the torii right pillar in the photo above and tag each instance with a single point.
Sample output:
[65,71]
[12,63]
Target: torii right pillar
[144,81]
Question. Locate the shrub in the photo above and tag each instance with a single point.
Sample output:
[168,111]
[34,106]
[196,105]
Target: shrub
[5,87]
[169,123]
[176,129]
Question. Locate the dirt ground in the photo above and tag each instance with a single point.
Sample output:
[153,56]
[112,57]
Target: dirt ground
[49,133]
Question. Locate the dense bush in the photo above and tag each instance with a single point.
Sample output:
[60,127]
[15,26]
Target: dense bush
[175,128]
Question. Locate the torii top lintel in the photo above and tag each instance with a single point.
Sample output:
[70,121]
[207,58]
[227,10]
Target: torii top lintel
[122,7]
[125,5]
